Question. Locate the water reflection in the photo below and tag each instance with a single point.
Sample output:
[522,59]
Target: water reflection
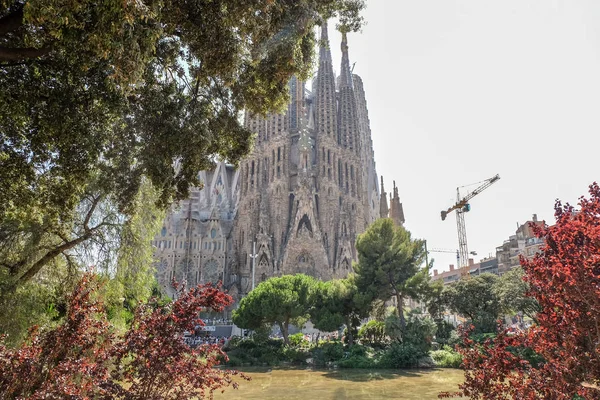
[344,384]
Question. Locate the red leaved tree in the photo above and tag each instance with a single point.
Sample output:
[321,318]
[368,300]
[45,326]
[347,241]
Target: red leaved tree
[565,280]
[82,358]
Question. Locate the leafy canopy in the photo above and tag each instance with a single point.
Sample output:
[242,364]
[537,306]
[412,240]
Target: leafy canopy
[98,97]
[389,263]
[281,300]
[511,290]
[475,299]
[338,302]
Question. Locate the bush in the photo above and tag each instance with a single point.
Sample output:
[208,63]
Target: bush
[419,333]
[357,350]
[446,358]
[261,335]
[401,355]
[235,361]
[527,354]
[268,358]
[362,362]
[372,333]
[329,351]
[445,333]
[297,339]
[245,344]
[82,358]
[295,355]
[482,337]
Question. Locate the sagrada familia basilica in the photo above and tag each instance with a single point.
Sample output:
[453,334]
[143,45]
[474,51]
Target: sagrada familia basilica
[296,204]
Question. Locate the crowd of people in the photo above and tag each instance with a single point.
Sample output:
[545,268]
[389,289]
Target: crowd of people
[217,321]
[198,340]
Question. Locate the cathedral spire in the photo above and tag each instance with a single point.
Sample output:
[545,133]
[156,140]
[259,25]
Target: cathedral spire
[324,51]
[325,108]
[345,73]
[383,203]
[396,210]
[348,119]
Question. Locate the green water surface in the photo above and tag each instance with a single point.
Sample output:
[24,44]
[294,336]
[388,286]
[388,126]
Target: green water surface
[343,384]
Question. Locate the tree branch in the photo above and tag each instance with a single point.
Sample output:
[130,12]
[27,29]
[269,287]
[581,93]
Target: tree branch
[37,266]
[90,212]
[18,54]
[11,22]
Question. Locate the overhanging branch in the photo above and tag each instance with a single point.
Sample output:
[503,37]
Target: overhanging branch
[19,54]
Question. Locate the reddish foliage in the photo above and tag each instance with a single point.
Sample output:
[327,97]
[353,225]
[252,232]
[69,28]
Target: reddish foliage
[565,280]
[82,358]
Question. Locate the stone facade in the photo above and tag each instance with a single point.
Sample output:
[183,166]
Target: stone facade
[195,243]
[297,202]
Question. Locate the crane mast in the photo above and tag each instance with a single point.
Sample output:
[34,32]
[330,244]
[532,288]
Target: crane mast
[461,207]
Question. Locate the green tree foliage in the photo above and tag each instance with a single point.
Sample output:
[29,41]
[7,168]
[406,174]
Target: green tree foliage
[420,331]
[389,263]
[474,298]
[120,252]
[281,300]
[511,291]
[40,302]
[96,97]
[338,302]
[372,333]
[435,300]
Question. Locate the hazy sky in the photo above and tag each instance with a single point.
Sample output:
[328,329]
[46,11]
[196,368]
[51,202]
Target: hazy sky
[459,91]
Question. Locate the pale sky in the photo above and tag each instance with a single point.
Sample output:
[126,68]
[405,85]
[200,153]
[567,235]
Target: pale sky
[459,91]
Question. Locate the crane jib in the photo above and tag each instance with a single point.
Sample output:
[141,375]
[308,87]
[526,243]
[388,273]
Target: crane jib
[462,205]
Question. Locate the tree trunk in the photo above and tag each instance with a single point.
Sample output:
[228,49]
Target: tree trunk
[349,330]
[284,331]
[400,307]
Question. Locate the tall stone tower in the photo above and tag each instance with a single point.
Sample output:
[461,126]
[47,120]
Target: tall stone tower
[310,186]
[296,203]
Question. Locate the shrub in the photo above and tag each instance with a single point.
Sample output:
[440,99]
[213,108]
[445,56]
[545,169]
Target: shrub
[297,339]
[246,344]
[401,355]
[261,335]
[527,354]
[482,337]
[295,355]
[372,333]
[445,333]
[235,361]
[446,358]
[331,351]
[419,332]
[362,362]
[82,358]
[357,350]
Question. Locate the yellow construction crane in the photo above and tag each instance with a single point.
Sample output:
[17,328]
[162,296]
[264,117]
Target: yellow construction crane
[461,207]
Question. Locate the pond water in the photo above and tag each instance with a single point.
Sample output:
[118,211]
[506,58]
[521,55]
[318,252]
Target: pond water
[307,384]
